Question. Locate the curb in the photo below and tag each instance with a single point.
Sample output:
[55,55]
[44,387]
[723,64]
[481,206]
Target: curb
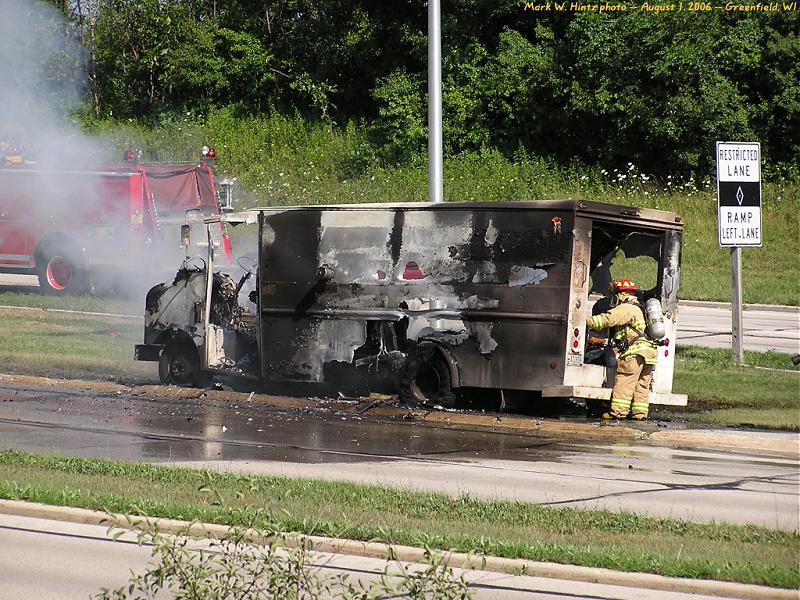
[776,443]
[783,443]
[727,305]
[411,554]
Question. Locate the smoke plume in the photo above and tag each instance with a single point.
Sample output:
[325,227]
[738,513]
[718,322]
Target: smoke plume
[42,83]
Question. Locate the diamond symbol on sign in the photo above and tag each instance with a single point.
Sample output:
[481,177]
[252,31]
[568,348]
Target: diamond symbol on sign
[739,195]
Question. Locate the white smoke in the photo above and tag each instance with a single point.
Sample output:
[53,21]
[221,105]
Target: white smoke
[42,84]
[43,89]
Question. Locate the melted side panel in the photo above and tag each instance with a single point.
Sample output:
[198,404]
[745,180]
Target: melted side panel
[479,281]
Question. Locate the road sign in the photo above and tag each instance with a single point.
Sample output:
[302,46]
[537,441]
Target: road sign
[739,194]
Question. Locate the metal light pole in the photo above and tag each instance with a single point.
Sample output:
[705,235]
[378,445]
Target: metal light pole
[435,187]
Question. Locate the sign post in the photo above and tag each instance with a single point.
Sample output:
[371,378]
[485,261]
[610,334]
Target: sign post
[738,218]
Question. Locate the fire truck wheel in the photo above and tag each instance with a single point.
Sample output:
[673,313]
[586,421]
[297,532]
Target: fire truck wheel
[60,274]
[180,365]
[427,380]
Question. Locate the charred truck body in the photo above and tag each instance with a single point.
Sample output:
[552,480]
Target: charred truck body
[437,298]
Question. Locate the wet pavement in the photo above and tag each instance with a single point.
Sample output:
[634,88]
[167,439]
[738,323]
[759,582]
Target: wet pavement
[135,428]
[328,442]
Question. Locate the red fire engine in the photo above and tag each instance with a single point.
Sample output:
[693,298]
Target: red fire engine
[85,229]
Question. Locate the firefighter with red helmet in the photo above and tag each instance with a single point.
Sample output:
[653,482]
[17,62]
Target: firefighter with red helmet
[637,354]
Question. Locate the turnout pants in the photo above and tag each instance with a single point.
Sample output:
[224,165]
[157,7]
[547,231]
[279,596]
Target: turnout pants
[631,387]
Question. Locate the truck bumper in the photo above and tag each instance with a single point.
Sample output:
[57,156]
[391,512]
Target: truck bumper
[150,352]
[604,393]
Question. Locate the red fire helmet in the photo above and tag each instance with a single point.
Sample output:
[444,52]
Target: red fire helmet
[624,285]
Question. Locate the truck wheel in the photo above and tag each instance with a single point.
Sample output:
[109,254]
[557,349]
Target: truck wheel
[180,365]
[427,380]
[60,274]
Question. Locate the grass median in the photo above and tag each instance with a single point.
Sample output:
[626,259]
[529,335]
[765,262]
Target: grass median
[69,345]
[763,393]
[597,538]
[86,303]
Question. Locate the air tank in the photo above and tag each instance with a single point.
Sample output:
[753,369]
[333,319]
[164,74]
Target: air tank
[654,317]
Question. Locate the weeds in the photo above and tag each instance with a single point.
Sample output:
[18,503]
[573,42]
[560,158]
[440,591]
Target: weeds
[253,564]
[288,161]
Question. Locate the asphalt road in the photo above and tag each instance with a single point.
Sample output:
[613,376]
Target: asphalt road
[768,328]
[700,324]
[53,560]
[761,488]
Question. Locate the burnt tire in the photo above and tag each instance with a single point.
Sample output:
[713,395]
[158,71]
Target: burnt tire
[426,379]
[60,272]
[179,365]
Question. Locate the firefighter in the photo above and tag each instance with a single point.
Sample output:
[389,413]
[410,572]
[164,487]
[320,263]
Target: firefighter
[10,154]
[637,354]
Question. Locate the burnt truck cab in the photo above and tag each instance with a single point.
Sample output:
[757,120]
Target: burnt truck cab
[430,298]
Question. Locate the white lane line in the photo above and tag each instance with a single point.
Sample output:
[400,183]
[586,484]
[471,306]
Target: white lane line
[74,312]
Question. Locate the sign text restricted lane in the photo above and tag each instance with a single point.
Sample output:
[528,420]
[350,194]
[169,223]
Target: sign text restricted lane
[738,162]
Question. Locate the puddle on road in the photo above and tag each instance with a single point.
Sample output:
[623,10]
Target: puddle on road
[135,428]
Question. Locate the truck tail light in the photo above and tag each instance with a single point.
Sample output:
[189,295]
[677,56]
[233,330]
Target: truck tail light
[412,271]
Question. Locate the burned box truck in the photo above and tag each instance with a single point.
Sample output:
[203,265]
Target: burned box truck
[434,299]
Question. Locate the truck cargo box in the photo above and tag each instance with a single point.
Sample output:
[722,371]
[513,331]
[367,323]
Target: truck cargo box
[446,297]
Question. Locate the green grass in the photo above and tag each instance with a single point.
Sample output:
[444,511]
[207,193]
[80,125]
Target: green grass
[284,161]
[36,299]
[72,346]
[765,392]
[621,541]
